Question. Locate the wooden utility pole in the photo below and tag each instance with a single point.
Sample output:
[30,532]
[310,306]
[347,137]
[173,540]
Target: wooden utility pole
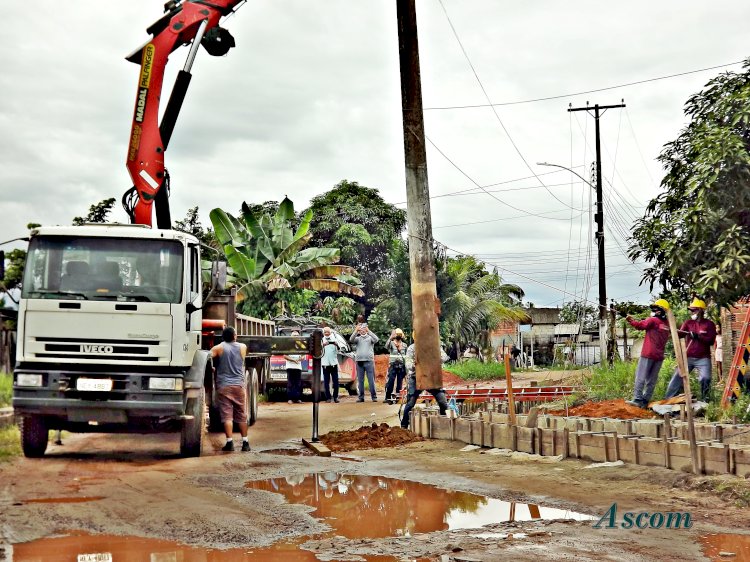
[424,302]
[599,217]
[509,384]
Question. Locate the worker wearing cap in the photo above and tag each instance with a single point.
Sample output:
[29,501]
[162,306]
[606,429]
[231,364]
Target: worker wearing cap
[413,391]
[700,334]
[652,354]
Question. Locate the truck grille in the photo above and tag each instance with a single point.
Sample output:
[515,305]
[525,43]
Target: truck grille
[97,350]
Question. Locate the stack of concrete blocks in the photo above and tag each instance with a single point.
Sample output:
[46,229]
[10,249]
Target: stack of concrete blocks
[722,448]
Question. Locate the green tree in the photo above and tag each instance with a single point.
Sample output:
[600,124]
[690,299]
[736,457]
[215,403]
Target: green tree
[696,234]
[267,255]
[479,302]
[357,220]
[98,212]
[191,224]
[579,312]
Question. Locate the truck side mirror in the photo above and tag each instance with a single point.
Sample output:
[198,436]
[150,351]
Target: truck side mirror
[218,275]
[190,308]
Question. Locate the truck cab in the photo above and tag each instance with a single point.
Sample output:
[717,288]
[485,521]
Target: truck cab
[109,334]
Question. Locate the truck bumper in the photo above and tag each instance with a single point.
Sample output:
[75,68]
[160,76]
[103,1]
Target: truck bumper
[129,399]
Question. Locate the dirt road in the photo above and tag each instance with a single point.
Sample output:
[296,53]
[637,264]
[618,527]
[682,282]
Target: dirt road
[113,486]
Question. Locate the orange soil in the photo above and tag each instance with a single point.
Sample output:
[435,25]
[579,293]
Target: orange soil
[607,409]
[368,437]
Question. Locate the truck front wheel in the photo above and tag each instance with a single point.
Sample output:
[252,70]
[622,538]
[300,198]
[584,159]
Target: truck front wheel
[34,436]
[191,438]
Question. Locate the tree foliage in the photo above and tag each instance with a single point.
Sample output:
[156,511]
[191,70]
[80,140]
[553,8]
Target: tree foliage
[357,220]
[477,301]
[191,224]
[696,234]
[98,212]
[266,255]
[582,313]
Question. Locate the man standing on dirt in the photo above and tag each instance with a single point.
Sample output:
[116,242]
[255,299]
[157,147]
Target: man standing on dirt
[700,333]
[230,386]
[396,348]
[330,363]
[652,354]
[364,354]
[412,392]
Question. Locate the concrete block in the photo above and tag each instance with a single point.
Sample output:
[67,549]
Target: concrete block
[501,436]
[649,428]
[714,458]
[441,427]
[462,430]
[477,432]
[741,462]
[596,424]
[526,439]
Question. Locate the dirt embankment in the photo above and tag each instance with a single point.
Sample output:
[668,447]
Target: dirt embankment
[617,409]
[381,374]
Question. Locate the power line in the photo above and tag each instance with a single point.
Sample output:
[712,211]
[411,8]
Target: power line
[494,111]
[561,96]
[472,180]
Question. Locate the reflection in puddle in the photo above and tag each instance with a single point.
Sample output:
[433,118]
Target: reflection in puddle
[376,507]
[77,499]
[103,548]
[738,545]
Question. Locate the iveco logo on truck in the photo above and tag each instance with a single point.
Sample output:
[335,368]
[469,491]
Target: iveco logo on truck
[103,349]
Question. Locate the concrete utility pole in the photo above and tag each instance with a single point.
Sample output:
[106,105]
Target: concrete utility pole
[598,112]
[424,302]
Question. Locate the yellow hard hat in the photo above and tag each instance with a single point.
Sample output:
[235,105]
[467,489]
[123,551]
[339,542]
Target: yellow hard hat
[697,303]
[661,303]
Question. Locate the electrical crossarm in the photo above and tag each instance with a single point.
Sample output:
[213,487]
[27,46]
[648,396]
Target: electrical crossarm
[184,22]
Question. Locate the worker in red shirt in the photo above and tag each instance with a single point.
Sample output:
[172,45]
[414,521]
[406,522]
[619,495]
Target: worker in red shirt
[652,354]
[700,334]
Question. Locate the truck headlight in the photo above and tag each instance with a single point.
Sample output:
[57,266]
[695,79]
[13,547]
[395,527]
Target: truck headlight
[164,383]
[25,379]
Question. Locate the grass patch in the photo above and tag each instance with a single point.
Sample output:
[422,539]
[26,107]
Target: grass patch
[617,381]
[6,389]
[10,442]
[474,370]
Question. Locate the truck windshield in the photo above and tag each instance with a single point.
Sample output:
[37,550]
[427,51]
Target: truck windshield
[129,269]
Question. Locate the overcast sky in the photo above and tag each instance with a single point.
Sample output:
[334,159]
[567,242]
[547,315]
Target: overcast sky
[311,96]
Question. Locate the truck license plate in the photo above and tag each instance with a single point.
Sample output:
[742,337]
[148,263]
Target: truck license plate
[278,375]
[94,385]
[95,557]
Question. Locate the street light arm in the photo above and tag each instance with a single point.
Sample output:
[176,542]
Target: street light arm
[584,180]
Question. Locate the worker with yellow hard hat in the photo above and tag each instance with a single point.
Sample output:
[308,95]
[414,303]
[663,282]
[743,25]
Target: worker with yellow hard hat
[700,334]
[652,354]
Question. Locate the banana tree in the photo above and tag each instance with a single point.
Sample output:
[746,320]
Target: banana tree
[265,253]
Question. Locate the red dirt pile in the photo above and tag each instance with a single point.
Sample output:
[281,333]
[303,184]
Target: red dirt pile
[617,409]
[368,437]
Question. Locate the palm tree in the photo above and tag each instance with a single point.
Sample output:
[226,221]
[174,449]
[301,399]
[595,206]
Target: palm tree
[478,301]
[265,254]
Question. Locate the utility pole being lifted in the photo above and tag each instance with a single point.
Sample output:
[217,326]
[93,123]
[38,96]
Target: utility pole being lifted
[424,302]
[598,111]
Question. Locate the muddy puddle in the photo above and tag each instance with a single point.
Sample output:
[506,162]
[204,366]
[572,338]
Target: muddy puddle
[105,548]
[358,506]
[354,506]
[727,547]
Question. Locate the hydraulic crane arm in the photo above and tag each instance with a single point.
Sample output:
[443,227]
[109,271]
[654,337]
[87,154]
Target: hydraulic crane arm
[185,21]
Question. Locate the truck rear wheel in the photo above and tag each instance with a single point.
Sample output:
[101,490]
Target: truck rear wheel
[191,438]
[351,388]
[34,436]
[252,396]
